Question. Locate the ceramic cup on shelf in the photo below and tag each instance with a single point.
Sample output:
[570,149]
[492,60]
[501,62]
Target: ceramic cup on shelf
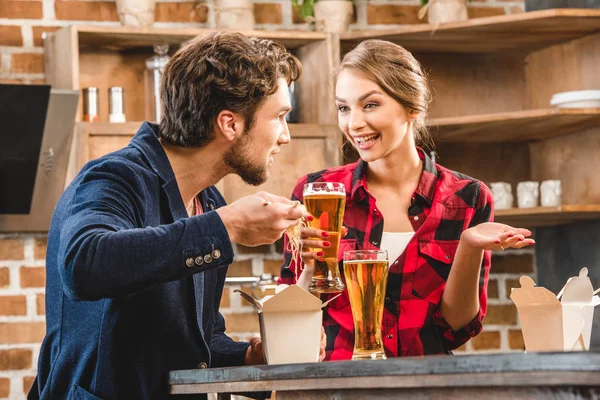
[550,191]
[528,194]
[502,193]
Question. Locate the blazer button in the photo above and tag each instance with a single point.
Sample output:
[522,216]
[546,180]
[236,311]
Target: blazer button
[199,261]
[208,259]
[202,365]
[216,254]
[189,262]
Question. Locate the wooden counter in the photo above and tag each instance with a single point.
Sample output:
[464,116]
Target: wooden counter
[515,376]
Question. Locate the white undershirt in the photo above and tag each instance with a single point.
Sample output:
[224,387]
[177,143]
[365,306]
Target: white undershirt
[395,243]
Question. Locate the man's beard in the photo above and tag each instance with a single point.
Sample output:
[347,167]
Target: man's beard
[237,160]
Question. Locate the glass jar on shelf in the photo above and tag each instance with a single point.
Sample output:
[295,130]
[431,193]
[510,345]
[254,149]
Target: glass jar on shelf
[155,66]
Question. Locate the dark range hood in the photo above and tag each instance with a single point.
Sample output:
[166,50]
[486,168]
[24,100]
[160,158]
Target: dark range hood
[36,130]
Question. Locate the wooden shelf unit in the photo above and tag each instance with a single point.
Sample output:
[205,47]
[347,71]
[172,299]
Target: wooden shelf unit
[514,126]
[312,147]
[492,80]
[547,216]
[518,32]
[80,56]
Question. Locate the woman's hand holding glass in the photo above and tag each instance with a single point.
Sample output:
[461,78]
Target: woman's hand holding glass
[313,241]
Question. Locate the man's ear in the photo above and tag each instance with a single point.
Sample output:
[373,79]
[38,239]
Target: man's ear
[229,124]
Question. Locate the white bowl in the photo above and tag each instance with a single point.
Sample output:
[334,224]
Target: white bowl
[576,99]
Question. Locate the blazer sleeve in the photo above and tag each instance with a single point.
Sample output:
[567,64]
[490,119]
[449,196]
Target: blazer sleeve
[106,252]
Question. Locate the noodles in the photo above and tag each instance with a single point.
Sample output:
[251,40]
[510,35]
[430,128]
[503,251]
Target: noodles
[294,234]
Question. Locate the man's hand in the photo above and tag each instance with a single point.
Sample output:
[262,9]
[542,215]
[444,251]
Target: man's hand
[254,352]
[323,345]
[260,219]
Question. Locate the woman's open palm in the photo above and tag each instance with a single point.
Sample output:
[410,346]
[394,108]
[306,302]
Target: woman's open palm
[496,236]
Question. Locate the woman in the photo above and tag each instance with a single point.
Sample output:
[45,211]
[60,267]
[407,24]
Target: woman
[434,222]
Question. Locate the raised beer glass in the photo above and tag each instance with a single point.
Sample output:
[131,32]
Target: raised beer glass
[366,273]
[326,202]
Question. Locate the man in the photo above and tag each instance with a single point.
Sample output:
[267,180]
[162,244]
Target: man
[140,241]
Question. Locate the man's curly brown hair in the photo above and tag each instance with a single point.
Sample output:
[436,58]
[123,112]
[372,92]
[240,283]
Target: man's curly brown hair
[216,72]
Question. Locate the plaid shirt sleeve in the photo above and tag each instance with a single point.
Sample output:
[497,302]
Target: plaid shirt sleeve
[454,339]
[291,267]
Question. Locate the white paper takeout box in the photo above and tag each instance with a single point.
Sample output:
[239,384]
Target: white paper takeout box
[290,324]
[552,325]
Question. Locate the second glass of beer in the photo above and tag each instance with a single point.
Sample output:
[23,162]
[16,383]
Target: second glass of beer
[326,202]
[366,273]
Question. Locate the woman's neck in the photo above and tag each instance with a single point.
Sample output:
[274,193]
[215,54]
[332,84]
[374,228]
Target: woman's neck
[397,171]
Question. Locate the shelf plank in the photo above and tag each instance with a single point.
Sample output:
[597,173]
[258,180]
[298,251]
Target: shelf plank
[547,216]
[525,31]
[514,126]
[121,38]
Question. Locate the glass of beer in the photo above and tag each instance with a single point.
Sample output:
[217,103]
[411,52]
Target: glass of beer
[326,202]
[366,273]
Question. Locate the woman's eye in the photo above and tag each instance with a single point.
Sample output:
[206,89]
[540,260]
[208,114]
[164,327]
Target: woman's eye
[371,105]
[342,108]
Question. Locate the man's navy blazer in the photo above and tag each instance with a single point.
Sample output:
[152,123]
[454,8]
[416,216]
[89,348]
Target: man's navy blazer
[133,284]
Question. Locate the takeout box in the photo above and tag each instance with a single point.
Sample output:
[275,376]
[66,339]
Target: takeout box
[290,324]
[560,322]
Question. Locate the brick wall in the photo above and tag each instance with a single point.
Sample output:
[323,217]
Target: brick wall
[22,256]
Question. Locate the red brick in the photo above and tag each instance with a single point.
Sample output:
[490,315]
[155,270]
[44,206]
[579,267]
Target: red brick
[501,315]
[37,33]
[40,302]
[11,36]
[225,298]
[181,12]
[513,264]
[15,359]
[21,9]
[28,63]
[13,305]
[86,10]
[33,277]
[39,251]
[11,82]
[241,322]
[4,387]
[481,12]
[393,14]
[22,332]
[486,341]
[515,339]
[240,268]
[27,383]
[4,277]
[511,283]
[272,267]
[267,13]
[12,249]
[493,289]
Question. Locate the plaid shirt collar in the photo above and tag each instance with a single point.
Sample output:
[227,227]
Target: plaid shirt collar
[425,191]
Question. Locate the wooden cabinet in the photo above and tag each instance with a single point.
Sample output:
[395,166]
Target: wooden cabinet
[80,56]
[492,80]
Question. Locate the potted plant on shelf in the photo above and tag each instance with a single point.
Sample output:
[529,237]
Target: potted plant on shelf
[329,15]
[444,11]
